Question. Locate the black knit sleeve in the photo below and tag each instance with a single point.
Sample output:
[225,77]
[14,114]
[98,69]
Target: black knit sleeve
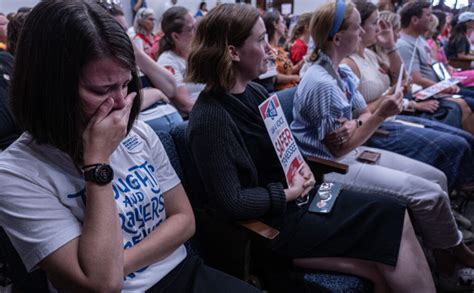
[226,169]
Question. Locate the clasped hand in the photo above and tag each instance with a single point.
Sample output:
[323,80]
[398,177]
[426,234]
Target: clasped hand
[301,184]
[342,134]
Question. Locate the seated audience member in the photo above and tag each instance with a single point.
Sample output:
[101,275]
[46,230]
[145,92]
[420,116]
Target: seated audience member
[145,39]
[202,10]
[243,177]
[324,127]
[442,110]
[3,32]
[9,131]
[415,18]
[432,36]
[458,46]
[137,5]
[438,52]
[287,73]
[68,204]
[155,109]
[299,38]
[444,147]
[178,26]
[170,3]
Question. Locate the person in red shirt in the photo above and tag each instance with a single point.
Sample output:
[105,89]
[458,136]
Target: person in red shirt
[300,38]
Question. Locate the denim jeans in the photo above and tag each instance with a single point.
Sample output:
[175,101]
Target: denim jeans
[468,96]
[447,148]
[166,122]
[422,187]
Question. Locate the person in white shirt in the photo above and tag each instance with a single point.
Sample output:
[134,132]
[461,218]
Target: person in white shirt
[179,26]
[170,3]
[88,194]
[159,85]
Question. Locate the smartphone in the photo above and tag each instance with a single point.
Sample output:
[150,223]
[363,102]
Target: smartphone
[325,198]
[369,157]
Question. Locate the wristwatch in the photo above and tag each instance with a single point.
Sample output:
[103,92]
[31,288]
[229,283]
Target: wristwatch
[101,174]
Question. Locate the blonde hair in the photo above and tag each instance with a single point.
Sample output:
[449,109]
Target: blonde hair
[321,24]
[433,25]
[394,20]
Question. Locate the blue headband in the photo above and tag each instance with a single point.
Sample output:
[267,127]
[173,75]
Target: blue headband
[338,18]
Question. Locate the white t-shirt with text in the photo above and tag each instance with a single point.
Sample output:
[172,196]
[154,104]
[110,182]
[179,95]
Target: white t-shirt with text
[43,198]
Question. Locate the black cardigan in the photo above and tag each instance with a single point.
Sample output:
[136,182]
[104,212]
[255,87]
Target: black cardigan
[227,168]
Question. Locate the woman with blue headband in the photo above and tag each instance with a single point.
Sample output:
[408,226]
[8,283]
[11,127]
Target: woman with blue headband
[325,127]
[364,234]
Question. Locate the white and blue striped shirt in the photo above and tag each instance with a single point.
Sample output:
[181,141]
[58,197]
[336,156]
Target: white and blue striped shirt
[319,102]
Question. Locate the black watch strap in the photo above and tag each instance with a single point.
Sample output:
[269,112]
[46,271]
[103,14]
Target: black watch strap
[101,174]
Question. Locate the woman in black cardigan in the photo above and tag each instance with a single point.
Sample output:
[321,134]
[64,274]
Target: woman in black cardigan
[366,235]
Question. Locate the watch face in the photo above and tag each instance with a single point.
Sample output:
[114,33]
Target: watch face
[103,174]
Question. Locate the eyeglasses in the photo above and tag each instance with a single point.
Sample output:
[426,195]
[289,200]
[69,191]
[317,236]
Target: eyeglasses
[109,4]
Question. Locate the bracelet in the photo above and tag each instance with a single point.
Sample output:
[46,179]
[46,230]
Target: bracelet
[390,51]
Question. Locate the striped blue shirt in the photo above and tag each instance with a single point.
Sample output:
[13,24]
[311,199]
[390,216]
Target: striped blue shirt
[319,102]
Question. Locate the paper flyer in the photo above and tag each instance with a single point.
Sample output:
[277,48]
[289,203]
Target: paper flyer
[434,89]
[283,141]
[400,78]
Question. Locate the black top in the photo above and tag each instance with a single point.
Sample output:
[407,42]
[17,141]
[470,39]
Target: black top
[244,110]
[234,155]
[9,131]
[460,46]
[244,180]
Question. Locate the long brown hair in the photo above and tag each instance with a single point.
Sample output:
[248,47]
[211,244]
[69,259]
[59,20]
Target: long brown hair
[173,21]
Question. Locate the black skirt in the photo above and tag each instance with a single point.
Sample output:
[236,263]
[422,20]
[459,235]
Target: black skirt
[363,226]
[193,276]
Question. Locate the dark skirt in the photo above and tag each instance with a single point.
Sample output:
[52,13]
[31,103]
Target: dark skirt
[193,276]
[362,226]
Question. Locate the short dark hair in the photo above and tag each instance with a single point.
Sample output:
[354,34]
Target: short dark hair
[173,21]
[24,9]
[411,9]
[210,61]
[365,9]
[458,31]
[45,86]
[269,19]
[14,28]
